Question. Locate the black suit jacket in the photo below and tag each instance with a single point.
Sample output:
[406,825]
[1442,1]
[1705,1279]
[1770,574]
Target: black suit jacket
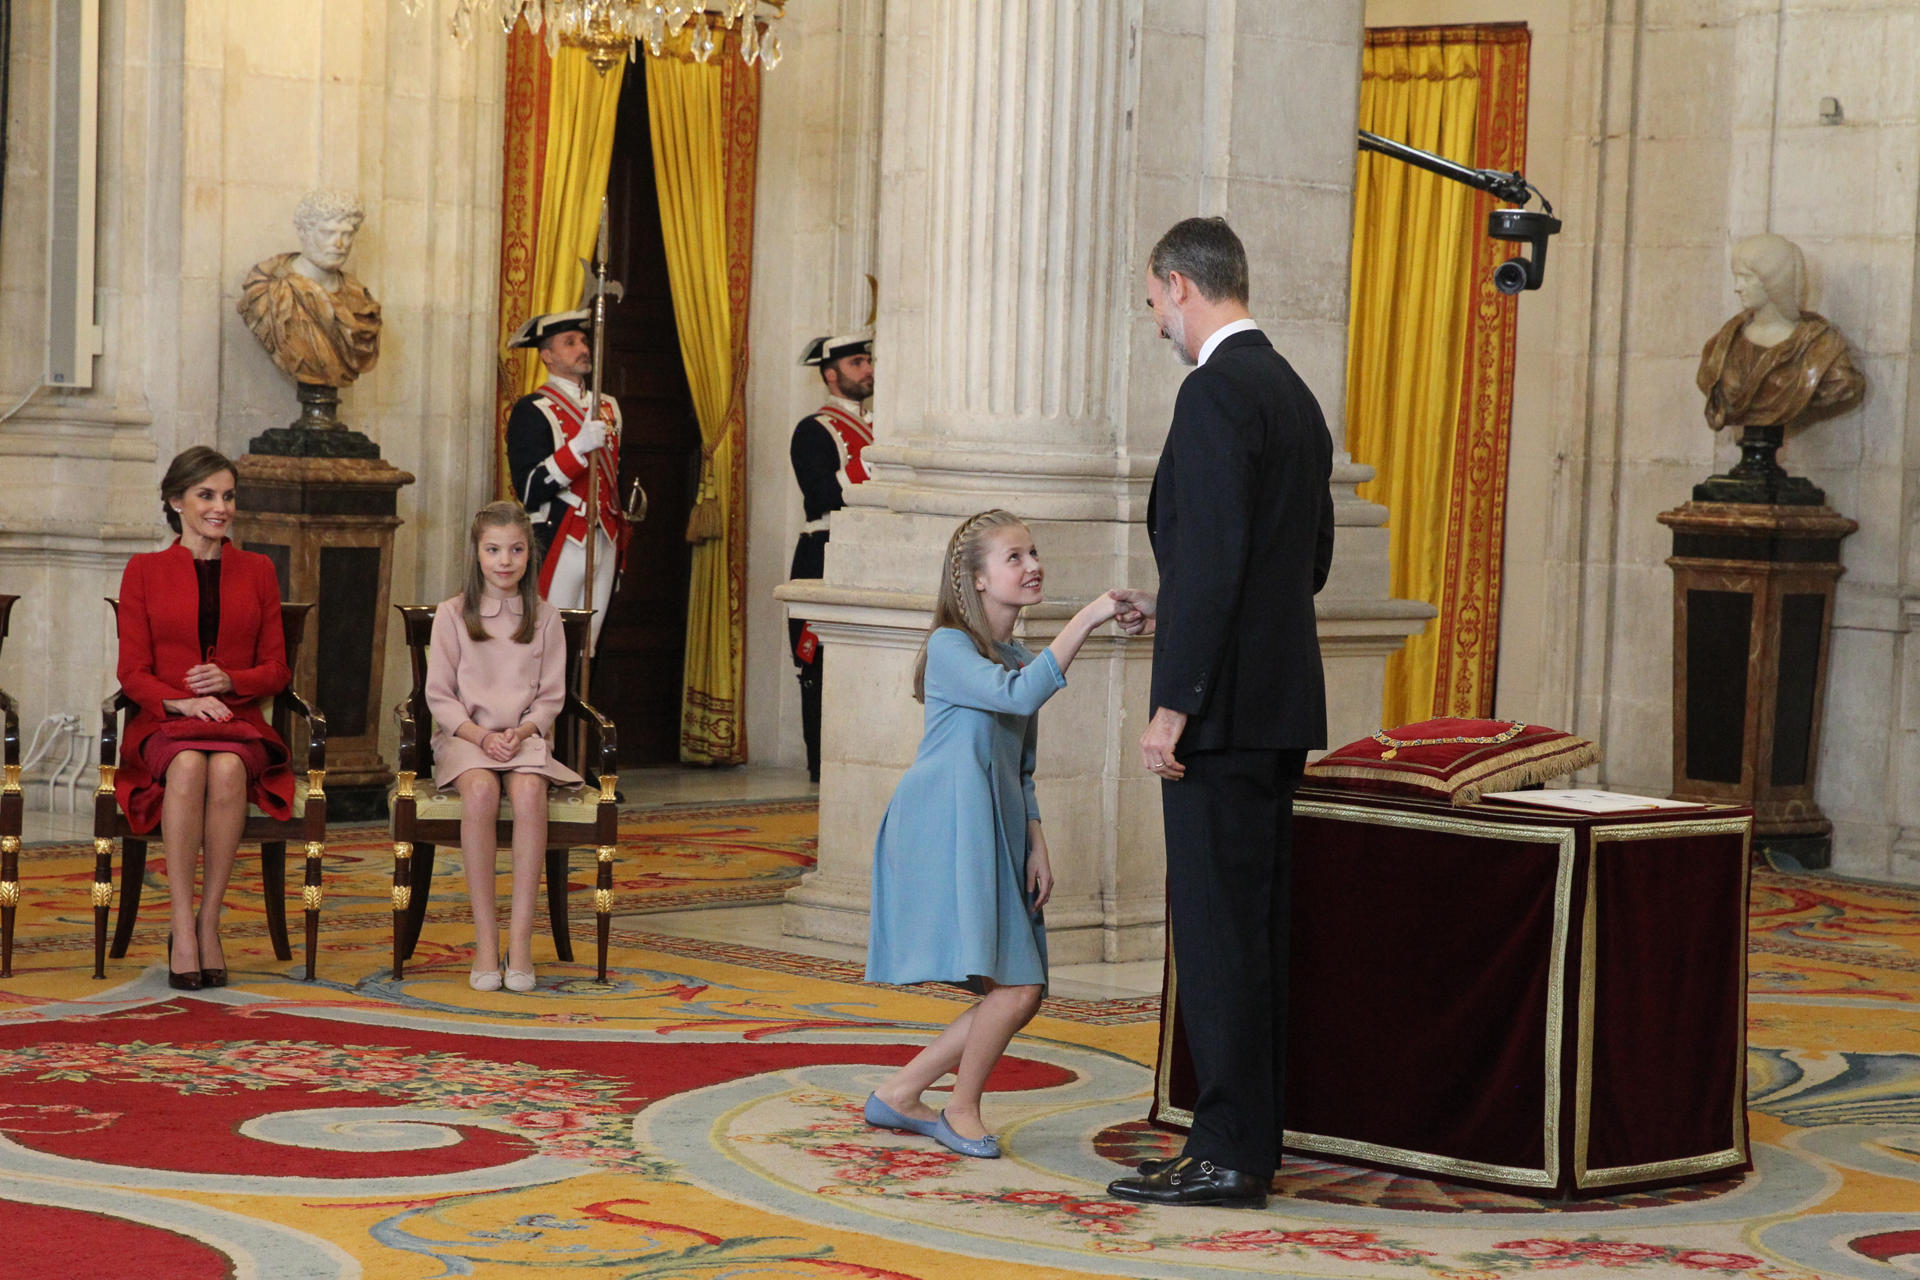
[1241,521]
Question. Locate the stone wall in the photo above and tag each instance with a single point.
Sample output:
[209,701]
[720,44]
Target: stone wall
[215,117]
[1664,132]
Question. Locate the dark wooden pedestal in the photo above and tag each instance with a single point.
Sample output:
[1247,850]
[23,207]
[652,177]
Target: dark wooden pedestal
[1752,608]
[327,524]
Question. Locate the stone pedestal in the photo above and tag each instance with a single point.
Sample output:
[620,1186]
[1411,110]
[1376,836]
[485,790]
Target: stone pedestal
[1752,608]
[327,524]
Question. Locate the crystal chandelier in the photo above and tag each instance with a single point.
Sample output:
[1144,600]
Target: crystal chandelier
[609,30]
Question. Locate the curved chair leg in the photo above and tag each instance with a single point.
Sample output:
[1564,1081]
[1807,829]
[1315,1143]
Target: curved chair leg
[273,884]
[420,890]
[557,904]
[133,876]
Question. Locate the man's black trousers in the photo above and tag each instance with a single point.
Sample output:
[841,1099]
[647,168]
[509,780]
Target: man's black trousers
[1229,827]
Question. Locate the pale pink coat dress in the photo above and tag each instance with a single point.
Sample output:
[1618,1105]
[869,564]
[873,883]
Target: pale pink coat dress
[496,684]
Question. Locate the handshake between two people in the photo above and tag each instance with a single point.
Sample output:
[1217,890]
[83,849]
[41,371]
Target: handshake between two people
[1132,611]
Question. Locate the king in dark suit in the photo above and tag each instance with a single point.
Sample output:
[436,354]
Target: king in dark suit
[1241,521]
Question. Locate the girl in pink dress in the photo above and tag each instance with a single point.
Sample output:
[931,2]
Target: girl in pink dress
[496,678]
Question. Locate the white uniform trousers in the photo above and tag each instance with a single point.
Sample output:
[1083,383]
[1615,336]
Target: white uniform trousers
[563,592]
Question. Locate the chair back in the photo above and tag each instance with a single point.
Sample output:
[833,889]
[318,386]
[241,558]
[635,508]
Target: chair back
[293,631]
[567,743]
[6,611]
[416,622]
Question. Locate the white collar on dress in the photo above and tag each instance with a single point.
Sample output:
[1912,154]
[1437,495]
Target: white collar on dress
[1221,334]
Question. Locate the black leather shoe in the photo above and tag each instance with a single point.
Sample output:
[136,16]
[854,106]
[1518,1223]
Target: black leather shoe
[183,981]
[1150,1167]
[1194,1182]
[213,977]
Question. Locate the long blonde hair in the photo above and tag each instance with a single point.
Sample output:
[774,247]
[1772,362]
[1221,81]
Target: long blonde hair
[496,515]
[958,604]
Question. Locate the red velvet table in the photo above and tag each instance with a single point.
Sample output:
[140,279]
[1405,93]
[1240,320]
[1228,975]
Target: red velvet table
[1546,1002]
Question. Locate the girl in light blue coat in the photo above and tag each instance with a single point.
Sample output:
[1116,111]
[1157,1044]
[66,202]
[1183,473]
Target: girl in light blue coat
[960,868]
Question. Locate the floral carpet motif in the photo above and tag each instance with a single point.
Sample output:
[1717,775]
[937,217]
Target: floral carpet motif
[700,1114]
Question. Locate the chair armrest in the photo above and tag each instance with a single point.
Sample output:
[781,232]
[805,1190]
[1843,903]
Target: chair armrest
[110,711]
[409,755]
[10,719]
[603,743]
[289,701]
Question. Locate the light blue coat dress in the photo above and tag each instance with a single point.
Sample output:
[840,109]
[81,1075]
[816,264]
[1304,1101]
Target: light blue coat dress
[950,897]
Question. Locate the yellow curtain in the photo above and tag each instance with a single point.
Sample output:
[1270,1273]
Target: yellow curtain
[581,107]
[1421,408]
[704,122]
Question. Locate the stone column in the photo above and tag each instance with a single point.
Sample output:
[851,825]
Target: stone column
[1032,151]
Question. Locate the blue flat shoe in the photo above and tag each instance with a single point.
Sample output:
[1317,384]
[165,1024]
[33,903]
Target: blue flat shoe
[987,1148]
[882,1116]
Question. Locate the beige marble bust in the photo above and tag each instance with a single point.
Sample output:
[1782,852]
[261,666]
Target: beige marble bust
[319,324]
[1774,364]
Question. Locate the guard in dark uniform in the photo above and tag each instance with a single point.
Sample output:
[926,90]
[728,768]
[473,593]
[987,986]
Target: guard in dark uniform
[552,450]
[826,459]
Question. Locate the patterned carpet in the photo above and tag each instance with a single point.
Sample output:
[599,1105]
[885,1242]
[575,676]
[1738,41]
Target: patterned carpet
[699,1116]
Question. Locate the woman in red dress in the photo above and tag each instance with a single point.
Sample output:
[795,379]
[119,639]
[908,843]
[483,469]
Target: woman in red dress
[200,646]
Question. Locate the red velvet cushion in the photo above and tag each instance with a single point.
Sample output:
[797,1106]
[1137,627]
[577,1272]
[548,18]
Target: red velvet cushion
[1447,766]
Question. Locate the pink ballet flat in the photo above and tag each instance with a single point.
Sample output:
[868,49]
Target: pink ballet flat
[520,980]
[488,981]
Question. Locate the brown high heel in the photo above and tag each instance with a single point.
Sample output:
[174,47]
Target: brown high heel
[186,981]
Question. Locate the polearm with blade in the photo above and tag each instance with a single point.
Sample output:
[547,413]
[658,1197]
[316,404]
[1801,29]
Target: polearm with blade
[599,289]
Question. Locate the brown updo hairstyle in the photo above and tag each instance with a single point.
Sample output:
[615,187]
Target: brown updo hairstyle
[188,468]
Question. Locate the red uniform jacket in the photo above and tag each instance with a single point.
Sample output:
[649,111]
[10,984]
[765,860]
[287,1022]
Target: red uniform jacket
[160,639]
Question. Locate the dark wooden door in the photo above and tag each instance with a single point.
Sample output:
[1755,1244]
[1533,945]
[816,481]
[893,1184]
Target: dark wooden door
[637,675]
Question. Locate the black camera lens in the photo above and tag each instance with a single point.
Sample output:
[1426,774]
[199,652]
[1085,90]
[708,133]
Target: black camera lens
[1511,275]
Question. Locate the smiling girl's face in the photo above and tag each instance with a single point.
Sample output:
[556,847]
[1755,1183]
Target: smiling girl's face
[1010,574]
[503,558]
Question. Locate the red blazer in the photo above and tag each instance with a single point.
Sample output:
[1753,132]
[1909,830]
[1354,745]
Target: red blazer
[160,639]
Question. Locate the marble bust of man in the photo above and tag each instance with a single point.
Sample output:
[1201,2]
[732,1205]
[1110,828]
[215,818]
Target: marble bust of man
[1774,364]
[319,324]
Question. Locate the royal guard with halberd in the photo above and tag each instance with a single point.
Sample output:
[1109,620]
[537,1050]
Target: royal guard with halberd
[552,451]
[826,459]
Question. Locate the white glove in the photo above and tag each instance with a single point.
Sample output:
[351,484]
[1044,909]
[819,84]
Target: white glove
[592,435]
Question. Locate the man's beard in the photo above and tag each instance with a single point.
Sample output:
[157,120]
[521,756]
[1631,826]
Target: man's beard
[1175,329]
